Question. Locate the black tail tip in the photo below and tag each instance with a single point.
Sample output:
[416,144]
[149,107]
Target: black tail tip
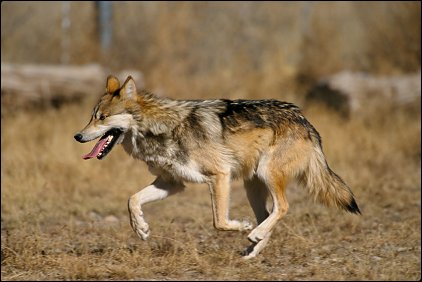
[352,207]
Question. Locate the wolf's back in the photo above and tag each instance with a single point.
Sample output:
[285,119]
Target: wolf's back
[259,113]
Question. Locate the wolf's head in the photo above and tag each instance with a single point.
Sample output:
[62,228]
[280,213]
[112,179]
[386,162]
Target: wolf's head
[111,118]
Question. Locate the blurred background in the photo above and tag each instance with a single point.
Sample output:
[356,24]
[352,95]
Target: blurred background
[227,49]
[353,68]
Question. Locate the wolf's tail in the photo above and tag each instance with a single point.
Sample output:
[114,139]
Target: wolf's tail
[324,184]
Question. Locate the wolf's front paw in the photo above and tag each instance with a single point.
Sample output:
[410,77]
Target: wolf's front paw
[139,225]
[143,233]
[141,228]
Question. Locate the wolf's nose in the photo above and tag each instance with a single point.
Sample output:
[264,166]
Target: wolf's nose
[78,137]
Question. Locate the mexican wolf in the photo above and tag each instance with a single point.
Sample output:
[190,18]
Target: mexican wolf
[266,142]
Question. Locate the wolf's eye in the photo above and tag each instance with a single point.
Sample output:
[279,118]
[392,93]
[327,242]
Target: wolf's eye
[102,117]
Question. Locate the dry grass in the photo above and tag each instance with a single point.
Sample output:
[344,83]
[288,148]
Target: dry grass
[65,218]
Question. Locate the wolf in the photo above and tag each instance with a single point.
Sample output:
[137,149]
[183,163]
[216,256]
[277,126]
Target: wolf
[268,143]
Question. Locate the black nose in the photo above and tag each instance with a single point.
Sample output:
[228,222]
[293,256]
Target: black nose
[78,137]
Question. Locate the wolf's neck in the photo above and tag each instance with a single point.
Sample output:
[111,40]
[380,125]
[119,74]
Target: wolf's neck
[161,115]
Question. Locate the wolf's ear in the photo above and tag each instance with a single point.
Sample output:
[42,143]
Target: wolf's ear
[129,88]
[113,84]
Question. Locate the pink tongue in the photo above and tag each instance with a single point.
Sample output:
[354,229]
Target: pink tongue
[97,148]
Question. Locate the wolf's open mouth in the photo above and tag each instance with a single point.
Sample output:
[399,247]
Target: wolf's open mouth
[104,145]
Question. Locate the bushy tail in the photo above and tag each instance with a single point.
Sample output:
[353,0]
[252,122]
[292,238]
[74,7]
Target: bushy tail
[325,185]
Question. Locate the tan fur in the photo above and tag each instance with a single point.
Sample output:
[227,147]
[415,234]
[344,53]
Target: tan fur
[247,147]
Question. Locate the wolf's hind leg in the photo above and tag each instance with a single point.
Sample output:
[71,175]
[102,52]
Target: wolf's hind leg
[158,190]
[257,193]
[276,186]
[220,198]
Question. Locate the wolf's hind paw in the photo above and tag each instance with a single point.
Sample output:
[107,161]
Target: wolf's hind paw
[240,225]
[256,235]
[246,225]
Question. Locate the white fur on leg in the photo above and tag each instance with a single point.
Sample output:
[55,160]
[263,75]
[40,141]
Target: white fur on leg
[158,190]
[254,249]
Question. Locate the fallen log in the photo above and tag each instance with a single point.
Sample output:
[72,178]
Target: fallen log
[27,85]
[350,92]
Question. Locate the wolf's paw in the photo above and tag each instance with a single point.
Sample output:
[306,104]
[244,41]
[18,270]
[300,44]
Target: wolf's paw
[248,253]
[238,225]
[142,231]
[139,225]
[248,256]
[256,235]
[245,225]
[233,225]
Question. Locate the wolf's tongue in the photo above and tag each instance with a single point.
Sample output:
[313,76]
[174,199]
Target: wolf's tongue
[97,148]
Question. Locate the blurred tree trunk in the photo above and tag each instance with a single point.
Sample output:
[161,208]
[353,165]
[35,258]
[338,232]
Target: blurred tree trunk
[65,56]
[104,11]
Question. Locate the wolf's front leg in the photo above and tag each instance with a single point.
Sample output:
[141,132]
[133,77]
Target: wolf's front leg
[160,189]
[220,197]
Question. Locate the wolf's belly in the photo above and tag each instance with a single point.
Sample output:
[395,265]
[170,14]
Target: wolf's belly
[189,172]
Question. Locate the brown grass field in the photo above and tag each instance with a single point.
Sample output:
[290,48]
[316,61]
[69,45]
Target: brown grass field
[63,218]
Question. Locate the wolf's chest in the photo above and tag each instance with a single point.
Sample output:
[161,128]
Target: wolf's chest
[161,154]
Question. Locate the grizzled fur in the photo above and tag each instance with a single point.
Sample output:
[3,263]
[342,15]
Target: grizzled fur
[268,143]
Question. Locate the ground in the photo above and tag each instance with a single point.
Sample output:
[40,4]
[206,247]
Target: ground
[64,218]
